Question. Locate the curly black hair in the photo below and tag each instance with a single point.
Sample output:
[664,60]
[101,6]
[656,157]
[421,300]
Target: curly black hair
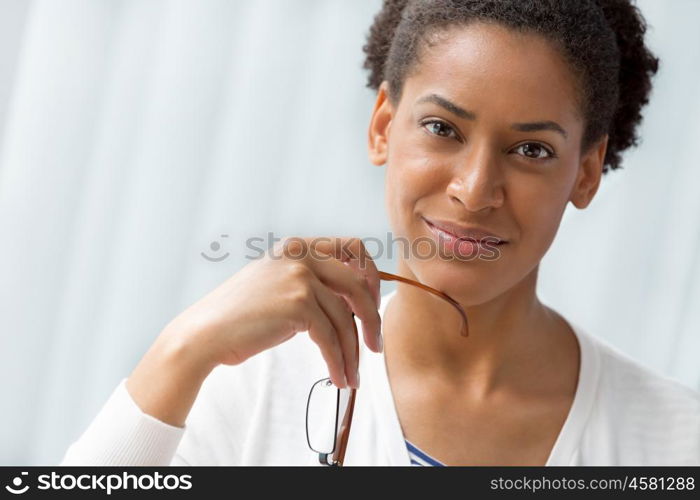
[602,40]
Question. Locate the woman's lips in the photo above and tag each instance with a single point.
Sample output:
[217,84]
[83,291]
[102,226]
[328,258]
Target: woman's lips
[464,231]
[465,247]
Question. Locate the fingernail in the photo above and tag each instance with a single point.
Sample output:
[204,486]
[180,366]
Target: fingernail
[358,378]
[381,344]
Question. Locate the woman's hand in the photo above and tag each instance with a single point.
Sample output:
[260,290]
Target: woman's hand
[301,284]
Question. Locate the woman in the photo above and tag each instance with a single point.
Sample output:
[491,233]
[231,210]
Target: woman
[491,116]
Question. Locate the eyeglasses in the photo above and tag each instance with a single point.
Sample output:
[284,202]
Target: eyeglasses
[329,409]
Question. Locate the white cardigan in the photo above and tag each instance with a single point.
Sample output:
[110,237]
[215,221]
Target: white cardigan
[254,414]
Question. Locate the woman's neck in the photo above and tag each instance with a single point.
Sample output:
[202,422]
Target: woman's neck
[510,338]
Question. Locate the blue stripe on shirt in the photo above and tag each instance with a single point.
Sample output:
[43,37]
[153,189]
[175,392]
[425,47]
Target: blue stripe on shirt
[419,457]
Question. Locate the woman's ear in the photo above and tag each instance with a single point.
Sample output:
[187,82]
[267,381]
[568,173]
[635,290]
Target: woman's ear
[379,127]
[589,174]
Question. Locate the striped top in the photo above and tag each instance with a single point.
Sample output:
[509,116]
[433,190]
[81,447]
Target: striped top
[421,458]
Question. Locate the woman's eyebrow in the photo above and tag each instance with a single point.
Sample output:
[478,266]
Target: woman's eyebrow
[470,115]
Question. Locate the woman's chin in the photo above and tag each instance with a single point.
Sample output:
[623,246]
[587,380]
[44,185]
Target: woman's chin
[468,285]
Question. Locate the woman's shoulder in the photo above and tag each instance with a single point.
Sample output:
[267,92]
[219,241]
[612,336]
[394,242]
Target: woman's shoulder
[629,378]
[638,415]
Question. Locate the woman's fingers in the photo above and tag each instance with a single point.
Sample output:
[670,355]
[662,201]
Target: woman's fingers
[324,334]
[345,249]
[340,315]
[354,287]
[357,257]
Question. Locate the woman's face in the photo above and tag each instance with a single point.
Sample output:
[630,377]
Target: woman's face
[486,134]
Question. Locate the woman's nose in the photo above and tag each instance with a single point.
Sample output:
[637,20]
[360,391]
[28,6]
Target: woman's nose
[477,182]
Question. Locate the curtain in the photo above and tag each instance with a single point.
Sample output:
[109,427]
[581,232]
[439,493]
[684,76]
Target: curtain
[136,135]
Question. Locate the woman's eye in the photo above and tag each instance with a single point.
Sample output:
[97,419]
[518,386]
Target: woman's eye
[535,150]
[440,128]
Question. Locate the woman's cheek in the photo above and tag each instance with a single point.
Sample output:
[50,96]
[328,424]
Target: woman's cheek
[393,199]
[540,216]
[405,182]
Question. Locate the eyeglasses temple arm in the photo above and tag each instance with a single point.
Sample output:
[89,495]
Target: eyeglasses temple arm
[394,277]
